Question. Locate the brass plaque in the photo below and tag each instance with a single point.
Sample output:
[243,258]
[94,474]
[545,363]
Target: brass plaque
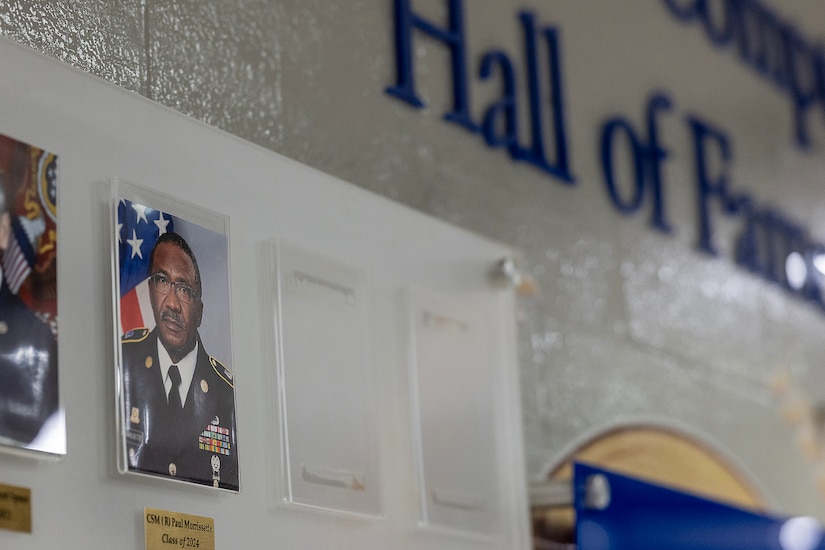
[165,530]
[15,508]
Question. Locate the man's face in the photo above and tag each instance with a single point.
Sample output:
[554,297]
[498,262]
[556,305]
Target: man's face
[176,320]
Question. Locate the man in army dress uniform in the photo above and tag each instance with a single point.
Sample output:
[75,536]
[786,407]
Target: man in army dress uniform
[28,359]
[179,401]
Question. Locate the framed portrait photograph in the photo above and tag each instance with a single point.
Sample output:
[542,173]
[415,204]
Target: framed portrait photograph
[31,415]
[176,387]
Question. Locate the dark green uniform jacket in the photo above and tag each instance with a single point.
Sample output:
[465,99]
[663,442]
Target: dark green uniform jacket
[199,445]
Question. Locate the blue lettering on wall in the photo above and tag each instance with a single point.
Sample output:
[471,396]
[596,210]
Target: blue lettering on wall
[646,157]
[774,48]
[767,238]
[453,37]
[711,188]
[499,124]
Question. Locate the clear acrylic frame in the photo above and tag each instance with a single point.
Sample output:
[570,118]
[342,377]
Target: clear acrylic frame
[198,446]
[327,406]
[453,412]
[32,415]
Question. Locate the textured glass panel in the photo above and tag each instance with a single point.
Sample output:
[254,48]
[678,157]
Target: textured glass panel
[217,61]
[103,37]
[676,302]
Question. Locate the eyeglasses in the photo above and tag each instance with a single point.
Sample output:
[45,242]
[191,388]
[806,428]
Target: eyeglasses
[183,292]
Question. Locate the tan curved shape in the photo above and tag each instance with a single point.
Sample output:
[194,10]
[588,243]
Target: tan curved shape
[654,454]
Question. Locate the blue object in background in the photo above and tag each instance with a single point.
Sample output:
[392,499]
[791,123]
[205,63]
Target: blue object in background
[616,512]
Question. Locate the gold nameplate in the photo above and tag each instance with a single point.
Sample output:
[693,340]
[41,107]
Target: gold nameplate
[15,508]
[166,530]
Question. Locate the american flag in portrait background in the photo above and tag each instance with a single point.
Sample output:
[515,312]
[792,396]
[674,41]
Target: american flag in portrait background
[21,255]
[138,227]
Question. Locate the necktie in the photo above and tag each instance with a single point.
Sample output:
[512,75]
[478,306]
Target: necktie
[174,394]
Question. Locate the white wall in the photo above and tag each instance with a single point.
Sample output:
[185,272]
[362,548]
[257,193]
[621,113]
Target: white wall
[630,325]
[99,132]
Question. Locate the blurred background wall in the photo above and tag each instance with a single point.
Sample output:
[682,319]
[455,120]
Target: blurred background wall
[627,325]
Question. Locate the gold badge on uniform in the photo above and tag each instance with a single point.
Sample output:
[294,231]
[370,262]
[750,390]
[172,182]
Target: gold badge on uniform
[135,417]
[148,362]
[204,386]
[173,470]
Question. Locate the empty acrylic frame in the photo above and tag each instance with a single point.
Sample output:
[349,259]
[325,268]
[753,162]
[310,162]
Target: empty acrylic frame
[328,415]
[453,411]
